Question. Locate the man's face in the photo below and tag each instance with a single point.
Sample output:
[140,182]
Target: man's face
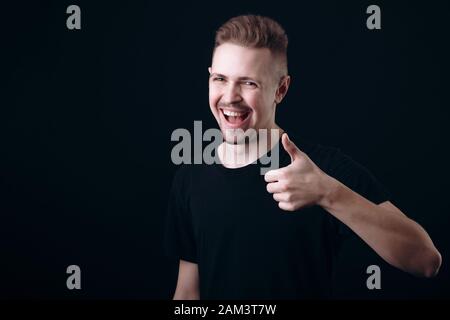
[242,89]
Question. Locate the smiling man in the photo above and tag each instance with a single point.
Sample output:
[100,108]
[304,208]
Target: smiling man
[238,234]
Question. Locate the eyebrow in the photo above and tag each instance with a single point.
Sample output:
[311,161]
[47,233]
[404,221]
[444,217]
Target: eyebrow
[239,78]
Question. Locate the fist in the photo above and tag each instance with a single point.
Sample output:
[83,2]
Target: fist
[300,184]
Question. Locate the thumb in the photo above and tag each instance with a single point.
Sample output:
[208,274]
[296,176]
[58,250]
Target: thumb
[290,147]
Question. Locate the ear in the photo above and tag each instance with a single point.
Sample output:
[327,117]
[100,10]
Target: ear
[209,70]
[282,89]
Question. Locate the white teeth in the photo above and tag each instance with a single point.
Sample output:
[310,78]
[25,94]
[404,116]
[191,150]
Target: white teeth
[232,113]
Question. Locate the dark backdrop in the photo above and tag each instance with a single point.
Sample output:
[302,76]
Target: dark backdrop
[86,118]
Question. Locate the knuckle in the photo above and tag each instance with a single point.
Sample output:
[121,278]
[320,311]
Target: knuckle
[289,197]
[286,186]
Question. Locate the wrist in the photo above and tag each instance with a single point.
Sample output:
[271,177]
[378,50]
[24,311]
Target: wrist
[330,192]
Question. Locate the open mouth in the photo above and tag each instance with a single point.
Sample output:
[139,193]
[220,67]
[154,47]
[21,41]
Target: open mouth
[235,118]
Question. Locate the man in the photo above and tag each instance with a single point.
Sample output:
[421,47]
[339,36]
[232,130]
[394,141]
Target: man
[241,235]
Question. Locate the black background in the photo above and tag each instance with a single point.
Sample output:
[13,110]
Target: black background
[86,118]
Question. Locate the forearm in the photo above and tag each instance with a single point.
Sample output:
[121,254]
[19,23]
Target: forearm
[188,282]
[397,239]
[186,295]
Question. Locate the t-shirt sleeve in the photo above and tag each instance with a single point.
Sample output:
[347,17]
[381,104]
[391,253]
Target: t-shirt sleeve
[179,240]
[359,179]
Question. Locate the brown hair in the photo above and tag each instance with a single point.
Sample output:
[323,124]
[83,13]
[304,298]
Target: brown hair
[255,31]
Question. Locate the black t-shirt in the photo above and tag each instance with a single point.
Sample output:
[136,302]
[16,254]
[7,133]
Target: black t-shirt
[245,246]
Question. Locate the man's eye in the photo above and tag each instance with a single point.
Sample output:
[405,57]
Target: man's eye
[250,83]
[218,79]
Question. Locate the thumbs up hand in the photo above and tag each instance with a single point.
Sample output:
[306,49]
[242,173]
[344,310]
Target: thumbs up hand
[300,184]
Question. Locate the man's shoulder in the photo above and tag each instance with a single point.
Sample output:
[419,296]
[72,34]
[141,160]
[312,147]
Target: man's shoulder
[334,161]
[330,159]
[317,151]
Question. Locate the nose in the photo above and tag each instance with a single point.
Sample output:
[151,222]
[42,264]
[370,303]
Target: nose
[232,94]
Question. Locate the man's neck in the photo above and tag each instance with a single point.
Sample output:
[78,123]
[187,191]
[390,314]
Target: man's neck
[242,154]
